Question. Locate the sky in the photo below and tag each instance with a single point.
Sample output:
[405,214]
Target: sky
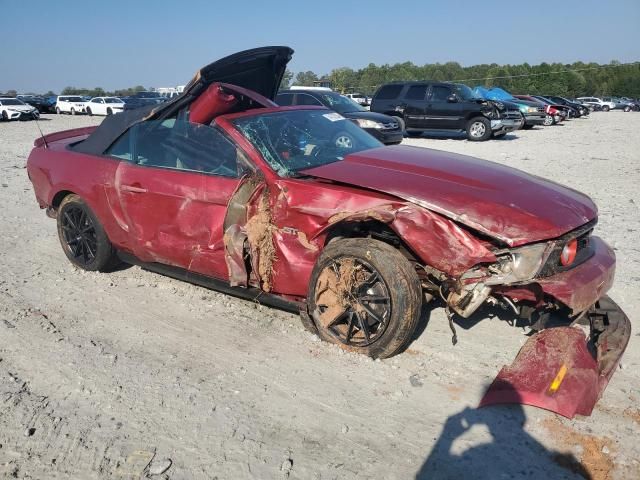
[47,45]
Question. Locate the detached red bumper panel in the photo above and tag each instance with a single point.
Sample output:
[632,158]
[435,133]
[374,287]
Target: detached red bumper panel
[560,370]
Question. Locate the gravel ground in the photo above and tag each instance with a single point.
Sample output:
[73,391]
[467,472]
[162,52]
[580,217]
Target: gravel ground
[134,375]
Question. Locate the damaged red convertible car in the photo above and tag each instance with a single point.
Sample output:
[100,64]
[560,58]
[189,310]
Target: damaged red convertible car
[298,208]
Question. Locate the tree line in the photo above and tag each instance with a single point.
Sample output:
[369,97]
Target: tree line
[570,80]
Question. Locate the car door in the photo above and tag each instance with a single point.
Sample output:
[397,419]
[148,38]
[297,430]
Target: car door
[415,106]
[173,189]
[442,111]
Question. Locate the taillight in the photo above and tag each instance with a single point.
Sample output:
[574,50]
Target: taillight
[569,251]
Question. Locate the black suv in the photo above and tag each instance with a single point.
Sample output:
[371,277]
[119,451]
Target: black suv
[446,106]
[384,128]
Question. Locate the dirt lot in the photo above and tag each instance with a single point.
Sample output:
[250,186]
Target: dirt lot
[113,375]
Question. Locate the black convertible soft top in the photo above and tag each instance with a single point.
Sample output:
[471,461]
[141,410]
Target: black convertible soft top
[259,69]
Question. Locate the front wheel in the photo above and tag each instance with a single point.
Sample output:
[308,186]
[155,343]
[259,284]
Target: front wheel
[627,108]
[58,110]
[605,108]
[82,237]
[89,112]
[478,129]
[109,111]
[365,296]
[5,117]
[548,120]
[73,111]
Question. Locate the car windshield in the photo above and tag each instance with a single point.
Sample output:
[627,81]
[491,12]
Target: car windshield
[465,93]
[340,103]
[11,101]
[299,139]
[112,100]
[73,99]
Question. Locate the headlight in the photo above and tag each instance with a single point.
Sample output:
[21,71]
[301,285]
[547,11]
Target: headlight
[364,123]
[519,264]
[532,109]
[523,108]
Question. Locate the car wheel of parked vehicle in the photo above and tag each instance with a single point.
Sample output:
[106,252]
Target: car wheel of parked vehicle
[478,129]
[627,108]
[605,108]
[343,140]
[109,111]
[548,120]
[83,239]
[73,111]
[5,117]
[58,110]
[366,296]
[89,112]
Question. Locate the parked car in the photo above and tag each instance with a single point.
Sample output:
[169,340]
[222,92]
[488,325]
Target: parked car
[359,98]
[35,101]
[16,109]
[385,128]
[532,112]
[581,109]
[571,112]
[149,97]
[50,104]
[605,106]
[553,115]
[618,103]
[422,106]
[224,188]
[104,106]
[133,103]
[72,104]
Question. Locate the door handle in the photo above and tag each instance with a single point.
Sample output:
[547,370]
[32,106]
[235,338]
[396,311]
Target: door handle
[135,188]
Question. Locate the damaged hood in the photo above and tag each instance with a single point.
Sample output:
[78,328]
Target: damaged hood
[502,202]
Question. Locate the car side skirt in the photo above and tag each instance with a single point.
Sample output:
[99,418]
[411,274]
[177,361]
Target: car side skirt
[252,294]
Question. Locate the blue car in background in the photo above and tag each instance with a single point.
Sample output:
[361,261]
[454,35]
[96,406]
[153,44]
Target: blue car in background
[532,112]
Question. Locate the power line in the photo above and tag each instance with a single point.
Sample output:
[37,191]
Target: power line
[549,73]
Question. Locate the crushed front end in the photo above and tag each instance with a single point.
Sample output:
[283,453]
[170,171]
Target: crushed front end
[557,288]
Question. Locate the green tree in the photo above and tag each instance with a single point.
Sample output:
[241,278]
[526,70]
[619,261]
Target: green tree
[305,79]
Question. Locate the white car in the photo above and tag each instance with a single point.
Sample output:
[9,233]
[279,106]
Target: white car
[104,106]
[606,106]
[358,98]
[15,109]
[72,104]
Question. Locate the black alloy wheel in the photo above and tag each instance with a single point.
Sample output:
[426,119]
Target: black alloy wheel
[79,233]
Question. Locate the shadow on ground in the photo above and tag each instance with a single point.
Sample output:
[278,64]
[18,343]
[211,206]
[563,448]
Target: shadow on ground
[509,452]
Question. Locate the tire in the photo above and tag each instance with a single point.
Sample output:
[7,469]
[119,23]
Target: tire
[478,129]
[83,238]
[627,108]
[372,270]
[5,117]
[548,121]
[89,112]
[109,111]
[414,133]
[605,108]
[58,110]
[73,111]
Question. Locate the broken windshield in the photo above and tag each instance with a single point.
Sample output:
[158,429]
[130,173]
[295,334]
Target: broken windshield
[299,139]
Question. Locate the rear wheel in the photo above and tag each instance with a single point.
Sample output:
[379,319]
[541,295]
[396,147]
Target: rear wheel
[82,237]
[73,111]
[5,117]
[365,296]
[627,108]
[605,108]
[478,129]
[109,111]
[58,110]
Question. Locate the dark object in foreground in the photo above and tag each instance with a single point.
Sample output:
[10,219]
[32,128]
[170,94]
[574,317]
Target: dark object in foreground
[298,207]
[560,370]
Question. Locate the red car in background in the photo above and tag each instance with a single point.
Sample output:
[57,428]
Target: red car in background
[223,188]
[555,114]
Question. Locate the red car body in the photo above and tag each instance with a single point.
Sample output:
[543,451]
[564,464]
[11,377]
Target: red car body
[555,111]
[460,218]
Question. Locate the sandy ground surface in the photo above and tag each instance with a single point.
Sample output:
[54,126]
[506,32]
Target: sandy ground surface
[117,375]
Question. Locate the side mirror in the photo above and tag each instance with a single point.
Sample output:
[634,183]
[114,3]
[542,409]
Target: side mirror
[452,99]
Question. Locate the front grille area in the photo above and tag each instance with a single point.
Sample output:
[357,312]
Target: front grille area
[390,126]
[583,252]
[512,115]
[541,109]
